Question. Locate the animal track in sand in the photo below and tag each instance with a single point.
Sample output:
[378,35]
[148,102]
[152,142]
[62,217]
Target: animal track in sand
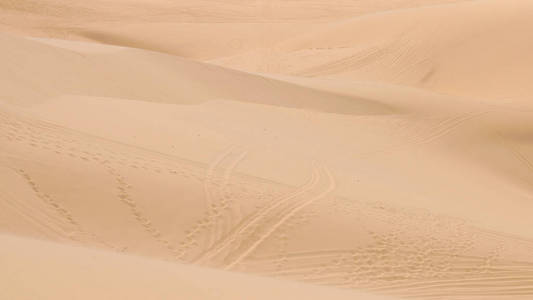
[249,223]
[254,229]
[406,258]
[125,197]
[413,253]
[76,230]
[74,145]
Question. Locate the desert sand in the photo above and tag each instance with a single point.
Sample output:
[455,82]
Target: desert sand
[270,149]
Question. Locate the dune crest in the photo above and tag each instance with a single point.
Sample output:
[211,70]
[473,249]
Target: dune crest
[266,150]
[478,49]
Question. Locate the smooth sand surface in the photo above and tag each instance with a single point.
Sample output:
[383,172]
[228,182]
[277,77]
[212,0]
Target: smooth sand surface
[269,150]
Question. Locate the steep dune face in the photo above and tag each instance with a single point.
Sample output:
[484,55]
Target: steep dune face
[478,49]
[337,164]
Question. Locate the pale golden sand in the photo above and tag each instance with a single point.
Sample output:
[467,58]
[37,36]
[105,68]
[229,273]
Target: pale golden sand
[266,150]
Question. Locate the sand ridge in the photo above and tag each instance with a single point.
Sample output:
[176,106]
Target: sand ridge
[275,149]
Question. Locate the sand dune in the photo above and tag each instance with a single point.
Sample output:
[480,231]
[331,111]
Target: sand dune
[109,276]
[205,29]
[362,150]
[126,73]
[477,49]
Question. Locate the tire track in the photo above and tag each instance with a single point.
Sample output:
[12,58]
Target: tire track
[226,196]
[493,280]
[211,206]
[445,127]
[286,216]
[218,200]
[240,231]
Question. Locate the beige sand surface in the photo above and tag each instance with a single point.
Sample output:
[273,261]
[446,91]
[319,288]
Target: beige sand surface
[104,275]
[269,149]
[474,48]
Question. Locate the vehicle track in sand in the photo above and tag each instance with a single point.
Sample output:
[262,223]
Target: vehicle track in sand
[284,216]
[415,255]
[218,202]
[240,232]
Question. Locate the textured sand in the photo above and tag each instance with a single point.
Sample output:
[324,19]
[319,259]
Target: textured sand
[266,150]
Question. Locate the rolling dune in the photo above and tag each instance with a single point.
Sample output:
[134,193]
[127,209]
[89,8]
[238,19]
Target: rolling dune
[475,48]
[266,150]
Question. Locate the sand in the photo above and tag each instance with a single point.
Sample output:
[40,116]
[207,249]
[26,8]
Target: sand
[266,150]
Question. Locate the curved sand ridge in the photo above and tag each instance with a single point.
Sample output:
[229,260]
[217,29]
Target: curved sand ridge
[137,174]
[204,29]
[478,49]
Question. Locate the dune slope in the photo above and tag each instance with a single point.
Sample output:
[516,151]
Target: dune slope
[130,74]
[204,29]
[479,49]
[77,273]
[385,149]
